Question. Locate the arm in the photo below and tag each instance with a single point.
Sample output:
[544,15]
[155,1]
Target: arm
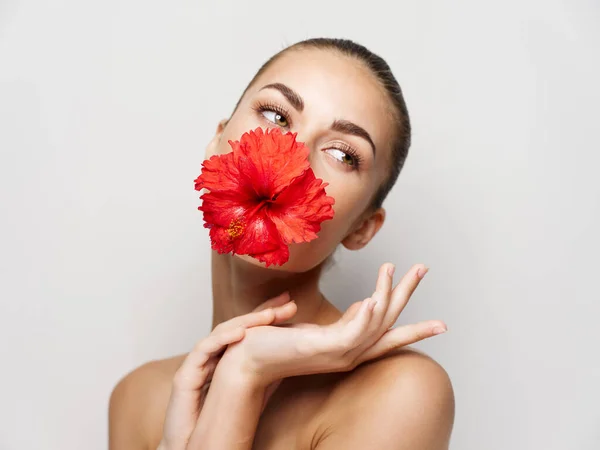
[187,397]
[231,411]
[230,415]
[131,409]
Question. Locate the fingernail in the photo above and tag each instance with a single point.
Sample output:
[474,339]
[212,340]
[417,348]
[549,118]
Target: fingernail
[439,330]
[422,271]
[391,270]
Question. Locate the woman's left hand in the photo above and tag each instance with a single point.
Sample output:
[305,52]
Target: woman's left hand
[270,353]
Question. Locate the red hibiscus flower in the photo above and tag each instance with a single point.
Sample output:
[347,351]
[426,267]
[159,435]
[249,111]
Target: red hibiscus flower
[263,196]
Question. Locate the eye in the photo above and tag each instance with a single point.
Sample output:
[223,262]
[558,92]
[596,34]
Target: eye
[341,156]
[276,118]
[345,154]
[274,114]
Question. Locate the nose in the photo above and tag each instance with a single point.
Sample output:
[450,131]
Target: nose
[308,138]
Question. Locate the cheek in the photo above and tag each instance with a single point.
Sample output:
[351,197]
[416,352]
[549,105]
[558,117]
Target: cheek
[236,127]
[305,256]
[351,199]
[334,230]
[349,191]
[348,206]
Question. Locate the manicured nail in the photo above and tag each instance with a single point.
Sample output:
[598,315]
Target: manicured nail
[391,270]
[422,271]
[439,330]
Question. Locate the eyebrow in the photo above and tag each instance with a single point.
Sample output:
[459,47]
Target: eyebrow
[347,127]
[343,126]
[291,95]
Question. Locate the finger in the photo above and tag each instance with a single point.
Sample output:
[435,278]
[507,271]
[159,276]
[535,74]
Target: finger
[343,335]
[209,368]
[402,336]
[304,326]
[285,312]
[351,312]
[192,372]
[257,318]
[354,332]
[216,342]
[281,299]
[403,291]
[267,316]
[383,289]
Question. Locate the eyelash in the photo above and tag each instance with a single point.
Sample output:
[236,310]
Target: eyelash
[262,107]
[350,152]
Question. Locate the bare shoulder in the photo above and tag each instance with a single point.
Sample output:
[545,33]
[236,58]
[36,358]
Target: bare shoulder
[138,404]
[406,367]
[402,401]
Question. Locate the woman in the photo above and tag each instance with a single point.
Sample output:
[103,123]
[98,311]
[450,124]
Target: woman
[323,380]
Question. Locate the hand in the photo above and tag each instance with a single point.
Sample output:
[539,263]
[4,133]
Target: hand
[270,353]
[192,379]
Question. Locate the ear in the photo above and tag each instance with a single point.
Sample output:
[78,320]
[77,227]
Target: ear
[213,145]
[366,229]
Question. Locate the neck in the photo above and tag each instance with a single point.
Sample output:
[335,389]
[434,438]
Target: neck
[240,286]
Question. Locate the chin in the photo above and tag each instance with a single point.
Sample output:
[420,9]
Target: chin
[246,259]
[302,259]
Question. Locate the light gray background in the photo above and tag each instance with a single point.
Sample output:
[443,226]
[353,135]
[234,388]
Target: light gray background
[105,109]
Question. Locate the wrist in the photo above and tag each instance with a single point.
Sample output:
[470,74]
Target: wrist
[232,408]
[237,372]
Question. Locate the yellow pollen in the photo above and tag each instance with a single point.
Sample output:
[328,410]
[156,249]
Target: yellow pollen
[236,228]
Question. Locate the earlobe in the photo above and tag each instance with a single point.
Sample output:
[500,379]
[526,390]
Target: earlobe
[221,126]
[362,235]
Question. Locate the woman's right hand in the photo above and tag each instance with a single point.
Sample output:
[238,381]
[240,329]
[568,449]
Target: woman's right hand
[193,377]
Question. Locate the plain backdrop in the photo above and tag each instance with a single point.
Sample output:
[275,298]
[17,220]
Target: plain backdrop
[105,110]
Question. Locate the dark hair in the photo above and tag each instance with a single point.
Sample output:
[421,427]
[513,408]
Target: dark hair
[381,70]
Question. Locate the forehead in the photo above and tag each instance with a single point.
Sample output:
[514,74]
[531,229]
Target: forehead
[334,86]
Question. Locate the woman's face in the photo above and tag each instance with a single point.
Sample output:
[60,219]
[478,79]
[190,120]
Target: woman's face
[342,114]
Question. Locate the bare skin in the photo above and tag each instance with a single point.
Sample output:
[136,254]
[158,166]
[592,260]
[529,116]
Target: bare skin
[403,396]
[306,410]
[400,400]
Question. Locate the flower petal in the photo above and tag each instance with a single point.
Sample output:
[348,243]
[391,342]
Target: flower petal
[249,233]
[262,196]
[299,210]
[223,173]
[262,241]
[273,161]
[220,240]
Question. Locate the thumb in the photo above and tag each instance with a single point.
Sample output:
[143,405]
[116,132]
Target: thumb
[350,312]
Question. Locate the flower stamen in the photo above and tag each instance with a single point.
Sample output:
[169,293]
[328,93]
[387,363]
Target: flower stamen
[236,228]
